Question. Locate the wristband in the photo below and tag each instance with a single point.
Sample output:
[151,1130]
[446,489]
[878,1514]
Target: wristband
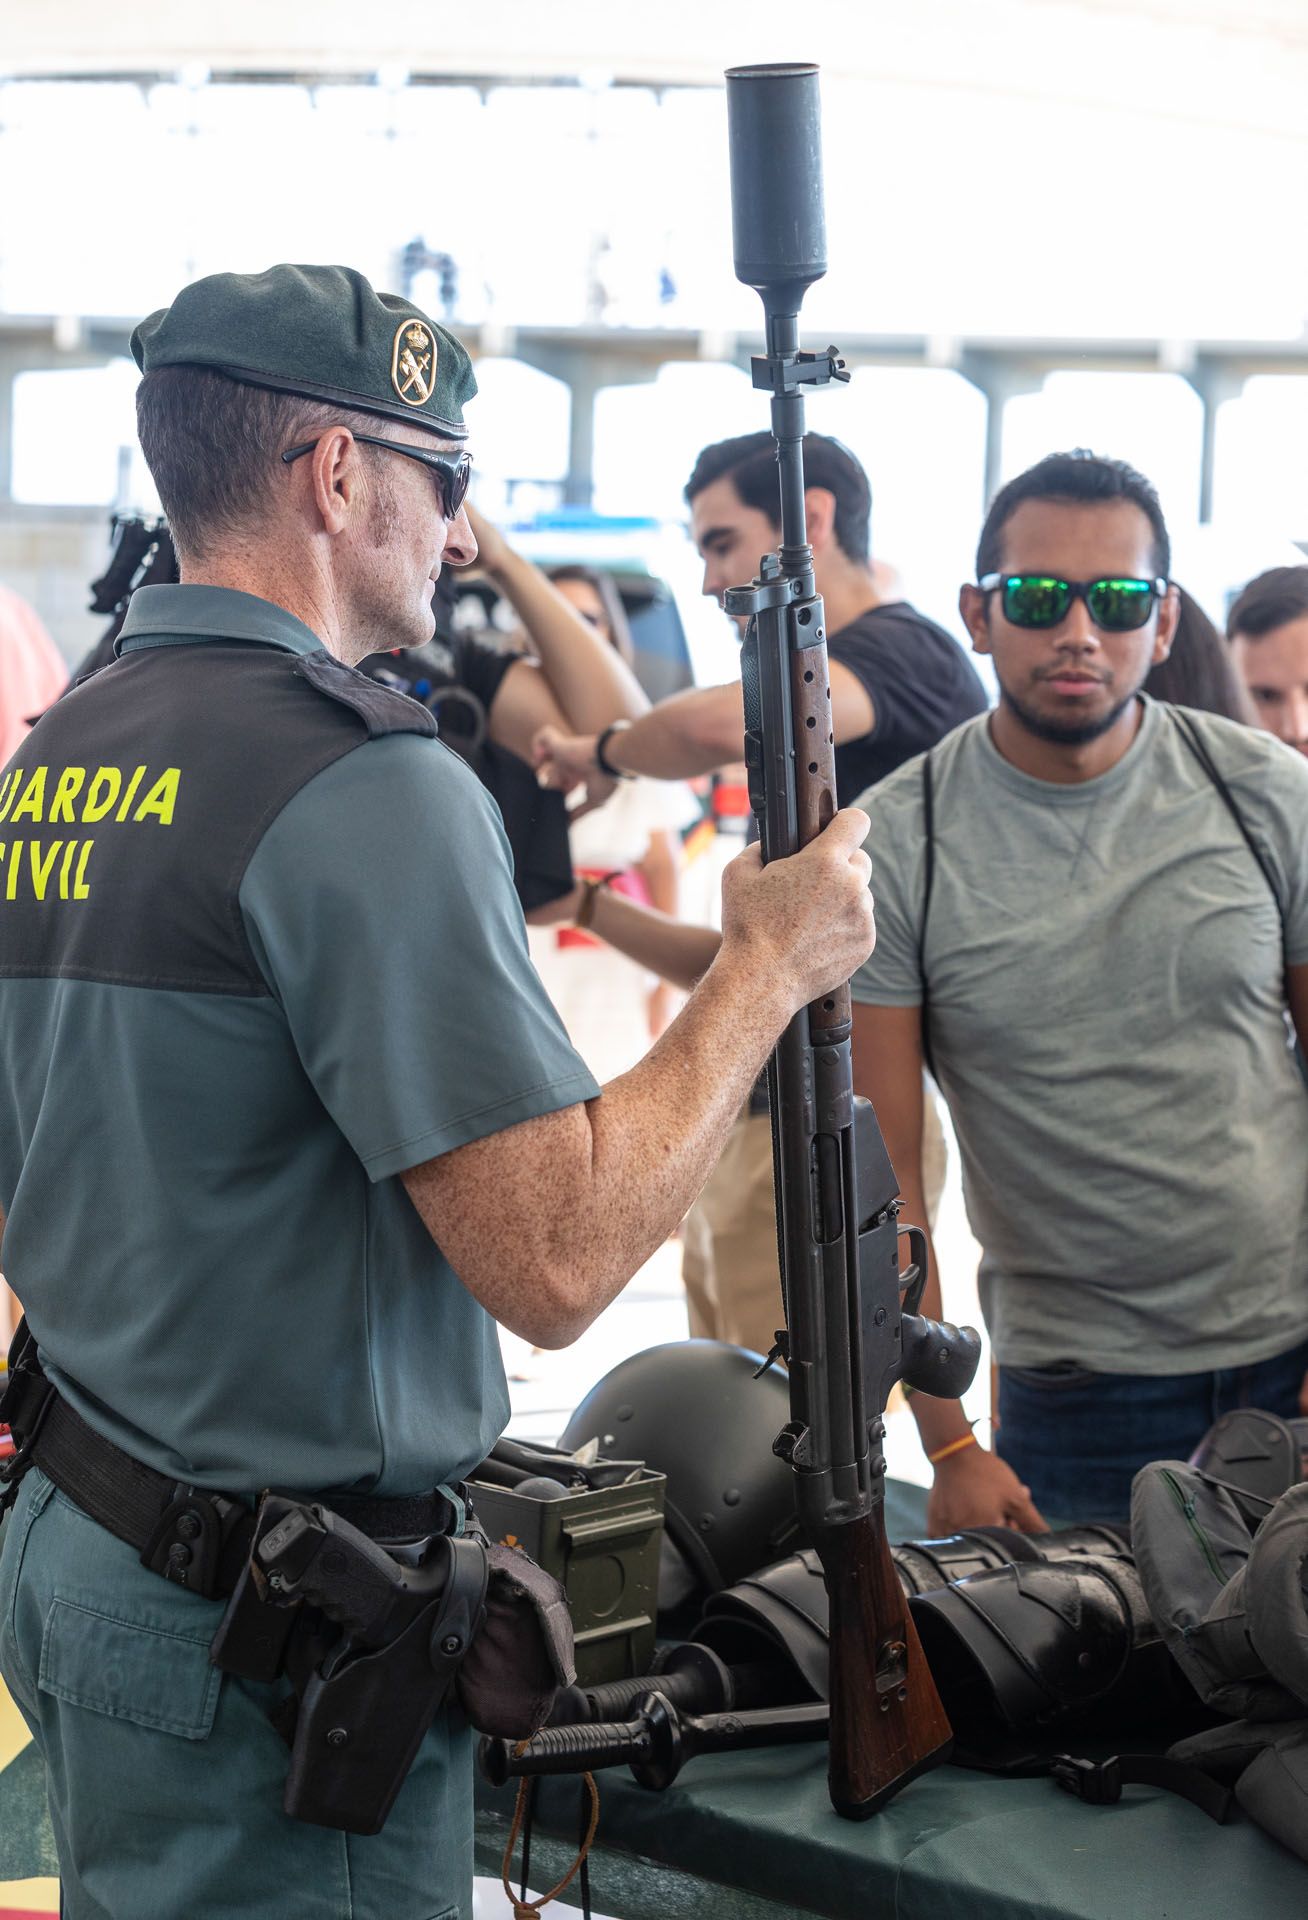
[604,764]
[955,1446]
[589,890]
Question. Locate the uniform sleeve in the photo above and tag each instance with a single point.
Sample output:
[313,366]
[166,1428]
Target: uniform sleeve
[381,909]
[891,976]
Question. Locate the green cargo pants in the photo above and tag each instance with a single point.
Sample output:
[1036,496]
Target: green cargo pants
[165,1777]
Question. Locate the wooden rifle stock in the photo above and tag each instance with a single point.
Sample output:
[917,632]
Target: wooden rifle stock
[887,1722]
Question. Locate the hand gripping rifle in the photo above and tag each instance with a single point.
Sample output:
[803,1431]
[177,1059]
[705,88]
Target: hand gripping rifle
[853,1329]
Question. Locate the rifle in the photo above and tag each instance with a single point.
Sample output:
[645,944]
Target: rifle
[852,1325]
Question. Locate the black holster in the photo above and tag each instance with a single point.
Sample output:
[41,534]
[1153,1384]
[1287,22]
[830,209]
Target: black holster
[363,1715]
[373,1638]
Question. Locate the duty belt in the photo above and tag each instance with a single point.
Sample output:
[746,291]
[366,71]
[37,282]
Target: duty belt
[194,1536]
[370,1637]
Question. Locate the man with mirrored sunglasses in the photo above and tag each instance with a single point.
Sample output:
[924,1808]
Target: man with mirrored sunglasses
[1092,917]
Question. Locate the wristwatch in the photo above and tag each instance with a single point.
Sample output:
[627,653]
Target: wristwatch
[601,760]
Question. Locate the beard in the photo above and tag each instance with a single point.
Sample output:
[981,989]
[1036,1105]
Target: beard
[1072,732]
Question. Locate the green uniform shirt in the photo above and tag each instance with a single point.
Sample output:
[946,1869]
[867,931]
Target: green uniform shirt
[284,963]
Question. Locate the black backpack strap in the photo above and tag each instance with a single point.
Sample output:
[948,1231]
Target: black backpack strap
[928,883]
[1190,734]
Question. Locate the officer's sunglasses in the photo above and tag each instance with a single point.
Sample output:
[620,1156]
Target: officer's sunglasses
[1116,604]
[453,470]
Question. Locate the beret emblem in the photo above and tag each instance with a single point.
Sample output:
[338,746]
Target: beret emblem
[413,362]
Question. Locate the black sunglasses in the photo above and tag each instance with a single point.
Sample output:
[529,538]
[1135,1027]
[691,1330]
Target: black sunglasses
[453,470]
[1116,604]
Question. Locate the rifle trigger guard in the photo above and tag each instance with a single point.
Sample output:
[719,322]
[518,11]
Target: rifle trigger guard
[912,1282]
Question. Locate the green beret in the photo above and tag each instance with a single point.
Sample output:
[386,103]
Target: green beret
[318,331]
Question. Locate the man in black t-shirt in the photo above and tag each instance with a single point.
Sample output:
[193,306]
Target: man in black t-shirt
[898,681]
[898,684]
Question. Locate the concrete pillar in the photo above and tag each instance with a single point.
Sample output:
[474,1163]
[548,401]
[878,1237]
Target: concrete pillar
[1000,377]
[584,372]
[1215,382]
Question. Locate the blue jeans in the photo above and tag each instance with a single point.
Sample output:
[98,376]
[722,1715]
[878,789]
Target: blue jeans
[1078,1438]
[165,1776]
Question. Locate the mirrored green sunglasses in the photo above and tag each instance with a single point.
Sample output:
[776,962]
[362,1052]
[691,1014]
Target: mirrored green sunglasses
[1116,605]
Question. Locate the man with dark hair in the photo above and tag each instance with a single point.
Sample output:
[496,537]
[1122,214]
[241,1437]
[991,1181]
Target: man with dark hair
[898,684]
[749,461]
[898,681]
[1093,915]
[1268,628]
[287,1117]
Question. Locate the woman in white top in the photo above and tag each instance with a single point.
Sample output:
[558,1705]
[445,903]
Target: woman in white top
[612,1007]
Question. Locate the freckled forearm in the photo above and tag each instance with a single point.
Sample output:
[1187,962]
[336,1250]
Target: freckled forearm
[547,1222]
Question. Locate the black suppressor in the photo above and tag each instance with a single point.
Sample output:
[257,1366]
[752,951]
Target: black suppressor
[778,224]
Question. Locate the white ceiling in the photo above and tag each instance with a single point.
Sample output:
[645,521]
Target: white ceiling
[955,41]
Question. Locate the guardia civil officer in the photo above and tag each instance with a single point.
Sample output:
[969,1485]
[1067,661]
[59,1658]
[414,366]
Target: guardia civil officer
[286,1116]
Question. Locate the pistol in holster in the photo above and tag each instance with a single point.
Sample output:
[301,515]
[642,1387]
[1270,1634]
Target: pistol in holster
[372,1638]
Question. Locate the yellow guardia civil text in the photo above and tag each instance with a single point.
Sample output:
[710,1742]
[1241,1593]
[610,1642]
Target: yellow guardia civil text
[41,869]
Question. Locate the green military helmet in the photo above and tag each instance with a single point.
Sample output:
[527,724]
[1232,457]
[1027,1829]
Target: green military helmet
[693,1410]
[321,332]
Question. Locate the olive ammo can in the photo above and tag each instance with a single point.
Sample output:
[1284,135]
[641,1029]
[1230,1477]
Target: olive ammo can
[603,1544]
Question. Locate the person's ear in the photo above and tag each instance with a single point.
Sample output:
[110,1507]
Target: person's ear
[974,612]
[1169,616]
[820,514]
[337,479]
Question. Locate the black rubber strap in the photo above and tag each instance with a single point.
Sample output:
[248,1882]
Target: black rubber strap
[1099,1782]
[602,760]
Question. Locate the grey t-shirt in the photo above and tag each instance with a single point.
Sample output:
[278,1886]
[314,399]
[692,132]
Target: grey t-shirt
[1104,969]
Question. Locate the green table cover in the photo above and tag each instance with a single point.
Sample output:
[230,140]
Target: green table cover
[953,1845]
[752,1835]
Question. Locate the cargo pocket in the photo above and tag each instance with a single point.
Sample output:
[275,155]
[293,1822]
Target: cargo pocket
[128,1671]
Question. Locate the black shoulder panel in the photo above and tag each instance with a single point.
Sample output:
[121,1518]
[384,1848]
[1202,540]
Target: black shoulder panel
[382,709]
[130,813]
